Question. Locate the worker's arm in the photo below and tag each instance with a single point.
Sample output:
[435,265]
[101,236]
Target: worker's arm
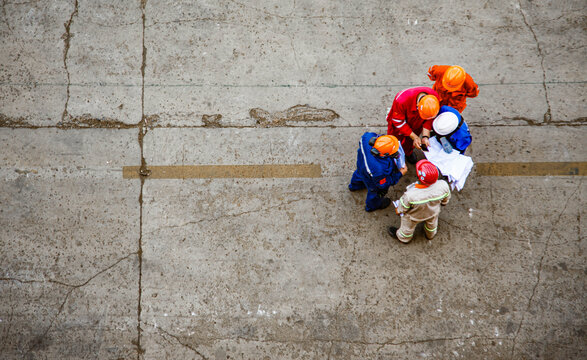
[416,139]
[471,87]
[446,199]
[426,137]
[403,207]
[435,72]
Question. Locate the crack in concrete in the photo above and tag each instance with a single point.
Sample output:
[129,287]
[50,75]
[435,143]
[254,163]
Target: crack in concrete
[177,338]
[264,119]
[366,343]
[580,121]
[456,338]
[76,286]
[143,172]
[547,114]
[540,268]
[257,9]
[37,342]
[331,342]
[87,121]
[22,281]
[66,43]
[228,215]
[112,25]
[57,282]
[223,20]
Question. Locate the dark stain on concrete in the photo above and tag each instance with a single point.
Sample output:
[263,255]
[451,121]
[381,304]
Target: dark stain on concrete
[265,118]
[212,121]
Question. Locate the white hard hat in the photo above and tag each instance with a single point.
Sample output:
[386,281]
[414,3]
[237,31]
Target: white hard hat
[445,123]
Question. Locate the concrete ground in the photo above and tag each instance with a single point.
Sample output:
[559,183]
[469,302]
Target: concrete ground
[96,264]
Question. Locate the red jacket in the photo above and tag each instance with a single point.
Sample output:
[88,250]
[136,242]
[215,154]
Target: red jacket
[403,118]
[456,99]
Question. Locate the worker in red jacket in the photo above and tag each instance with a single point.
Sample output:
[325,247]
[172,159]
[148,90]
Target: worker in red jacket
[410,116]
[453,85]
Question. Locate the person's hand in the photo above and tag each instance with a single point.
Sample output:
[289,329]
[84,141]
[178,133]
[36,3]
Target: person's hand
[417,142]
[404,170]
[426,141]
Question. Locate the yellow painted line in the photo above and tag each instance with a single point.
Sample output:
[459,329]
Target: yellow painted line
[532,169]
[226,171]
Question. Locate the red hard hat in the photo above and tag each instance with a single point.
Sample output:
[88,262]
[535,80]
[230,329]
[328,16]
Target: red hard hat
[427,172]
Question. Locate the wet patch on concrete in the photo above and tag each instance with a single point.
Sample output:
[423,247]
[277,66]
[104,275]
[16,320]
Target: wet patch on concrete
[296,113]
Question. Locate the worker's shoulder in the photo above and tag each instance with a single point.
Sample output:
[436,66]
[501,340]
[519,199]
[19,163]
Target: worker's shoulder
[442,185]
[469,82]
[368,135]
[438,69]
[406,96]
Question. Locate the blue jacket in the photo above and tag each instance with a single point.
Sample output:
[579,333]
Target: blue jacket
[376,172]
[461,138]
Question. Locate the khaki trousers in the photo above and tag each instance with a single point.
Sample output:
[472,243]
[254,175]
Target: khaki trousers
[406,231]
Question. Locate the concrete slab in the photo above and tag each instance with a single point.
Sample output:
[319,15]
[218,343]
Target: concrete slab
[68,234]
[32,73]
[98,266]
[271,273]
[104,61]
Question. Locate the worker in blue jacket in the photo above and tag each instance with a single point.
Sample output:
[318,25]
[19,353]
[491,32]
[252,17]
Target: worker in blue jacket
[381,162]
[451,130]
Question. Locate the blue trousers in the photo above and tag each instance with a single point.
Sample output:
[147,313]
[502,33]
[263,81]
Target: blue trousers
[373,201]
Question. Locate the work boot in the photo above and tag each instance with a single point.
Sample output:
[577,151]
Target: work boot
[385,202]
[412,159]
[392,231]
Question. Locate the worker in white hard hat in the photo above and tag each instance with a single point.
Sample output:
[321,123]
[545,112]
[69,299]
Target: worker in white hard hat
[451,130]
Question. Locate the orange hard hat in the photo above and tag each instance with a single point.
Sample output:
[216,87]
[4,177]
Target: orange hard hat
[427,172]
[386,145]
[453,78]
[428,107]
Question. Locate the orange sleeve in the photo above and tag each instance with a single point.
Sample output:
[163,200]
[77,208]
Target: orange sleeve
[471,87]
[436,71]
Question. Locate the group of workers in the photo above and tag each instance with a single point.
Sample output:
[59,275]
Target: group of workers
[415,115]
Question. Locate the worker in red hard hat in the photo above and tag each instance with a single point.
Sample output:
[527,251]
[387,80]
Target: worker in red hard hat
[410,116]
[421,203]
[453,85]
